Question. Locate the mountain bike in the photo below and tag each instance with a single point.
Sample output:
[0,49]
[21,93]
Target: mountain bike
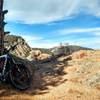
[16,73]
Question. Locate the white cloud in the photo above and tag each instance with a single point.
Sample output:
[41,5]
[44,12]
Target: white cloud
[31,38]
[44,11]
[39,42]
[42,44]
[90,42]
[95,30]
[97,33]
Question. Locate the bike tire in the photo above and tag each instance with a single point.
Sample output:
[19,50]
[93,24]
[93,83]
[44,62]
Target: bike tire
[14,80]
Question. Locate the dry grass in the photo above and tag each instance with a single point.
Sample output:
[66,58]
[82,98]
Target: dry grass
[72,83]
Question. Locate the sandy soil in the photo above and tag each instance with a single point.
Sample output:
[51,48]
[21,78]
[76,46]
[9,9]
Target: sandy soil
[76,79]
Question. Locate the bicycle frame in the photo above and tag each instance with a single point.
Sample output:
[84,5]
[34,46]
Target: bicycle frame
[4,72]
[10,71]
[4,66]
[7,59]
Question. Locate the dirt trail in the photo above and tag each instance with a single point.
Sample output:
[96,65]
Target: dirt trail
[77,79]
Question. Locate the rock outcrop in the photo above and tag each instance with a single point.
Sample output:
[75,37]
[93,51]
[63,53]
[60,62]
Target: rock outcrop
[22,49]
[37,55]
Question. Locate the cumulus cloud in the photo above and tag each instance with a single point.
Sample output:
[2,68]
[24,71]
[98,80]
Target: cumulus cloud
[44,11]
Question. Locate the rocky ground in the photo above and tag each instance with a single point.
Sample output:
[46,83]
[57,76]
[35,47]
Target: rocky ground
[73,77]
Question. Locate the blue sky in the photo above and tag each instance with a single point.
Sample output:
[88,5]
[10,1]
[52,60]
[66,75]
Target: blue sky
[46,23]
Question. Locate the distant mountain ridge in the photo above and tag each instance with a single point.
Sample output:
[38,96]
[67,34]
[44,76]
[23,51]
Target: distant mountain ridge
[66,50]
